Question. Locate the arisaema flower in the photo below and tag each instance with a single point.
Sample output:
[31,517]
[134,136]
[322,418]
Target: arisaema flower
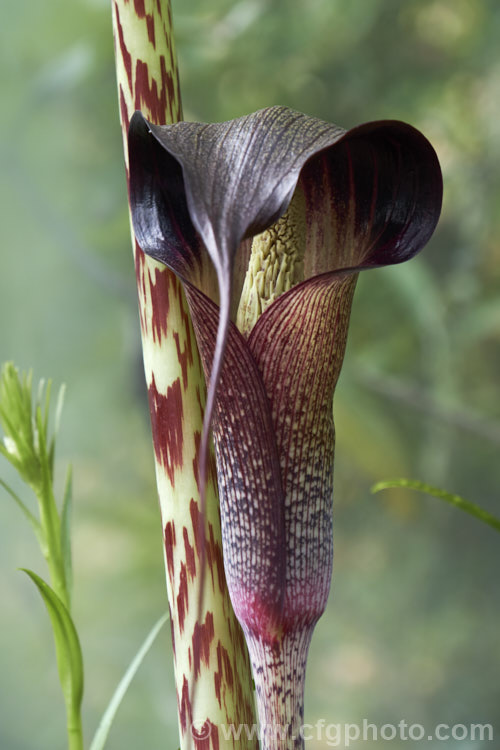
[267,220]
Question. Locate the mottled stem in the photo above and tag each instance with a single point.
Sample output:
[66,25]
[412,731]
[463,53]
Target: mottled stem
[210,650]
[279,669]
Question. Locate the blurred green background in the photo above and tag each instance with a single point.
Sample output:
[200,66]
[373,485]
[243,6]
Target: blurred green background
[412,628]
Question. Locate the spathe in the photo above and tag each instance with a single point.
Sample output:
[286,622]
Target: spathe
[216,184]
[348,200]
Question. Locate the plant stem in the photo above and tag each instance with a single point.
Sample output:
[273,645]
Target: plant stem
[210,649]
[75,733]
[51,536]
[280,670]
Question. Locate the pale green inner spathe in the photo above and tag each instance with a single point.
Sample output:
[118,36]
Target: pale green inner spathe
[276,263]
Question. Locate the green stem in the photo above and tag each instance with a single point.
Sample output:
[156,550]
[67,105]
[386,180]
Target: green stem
[57,580]
[52,550]
[51,534]
[75,733]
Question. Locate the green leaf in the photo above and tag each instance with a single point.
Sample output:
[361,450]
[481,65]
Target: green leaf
[456,500]
[102,732]
[57,424]
[48,509]
[68,650]
[28,514]
[66,530]
[46,410]
[41,445]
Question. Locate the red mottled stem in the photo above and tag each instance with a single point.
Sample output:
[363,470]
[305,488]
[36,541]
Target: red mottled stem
[210,651]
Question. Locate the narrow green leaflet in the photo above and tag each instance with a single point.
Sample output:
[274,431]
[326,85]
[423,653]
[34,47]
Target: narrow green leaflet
[102,732]
[41,448]
[28,514]
[68,650]
[456,500]
[66,530]
[57,421]
[39,401]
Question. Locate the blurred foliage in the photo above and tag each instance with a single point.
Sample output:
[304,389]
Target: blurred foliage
[466,506]
[412,625]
